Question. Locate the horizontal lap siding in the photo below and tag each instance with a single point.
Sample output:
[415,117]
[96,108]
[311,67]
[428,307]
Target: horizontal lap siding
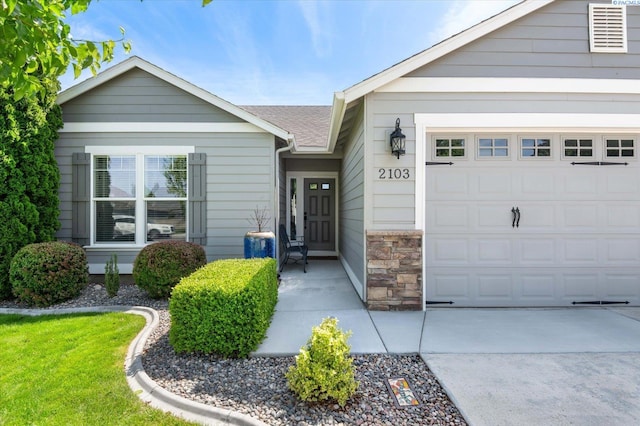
[137,96]
[552,42]
[352,204]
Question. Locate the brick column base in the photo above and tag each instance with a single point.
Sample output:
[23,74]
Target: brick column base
[394,270]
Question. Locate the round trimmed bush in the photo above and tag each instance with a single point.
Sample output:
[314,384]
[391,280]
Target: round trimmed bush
[160,266]
[43,274]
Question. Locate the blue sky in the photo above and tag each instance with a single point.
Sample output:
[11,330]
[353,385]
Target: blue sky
[277,52]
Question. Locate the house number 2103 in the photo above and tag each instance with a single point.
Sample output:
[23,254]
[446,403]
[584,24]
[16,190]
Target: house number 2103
[390,174]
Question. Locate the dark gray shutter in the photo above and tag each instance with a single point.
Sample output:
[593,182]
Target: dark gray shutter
[198,198]
[80,198]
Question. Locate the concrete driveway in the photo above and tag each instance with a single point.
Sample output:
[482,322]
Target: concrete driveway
[577,366]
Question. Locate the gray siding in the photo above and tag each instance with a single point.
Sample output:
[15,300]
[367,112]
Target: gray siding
[240,176]
[351,211]
[552,42]
[138,96]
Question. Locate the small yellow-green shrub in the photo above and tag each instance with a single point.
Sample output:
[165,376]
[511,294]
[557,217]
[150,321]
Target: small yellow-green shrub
[324,367]
[224,307]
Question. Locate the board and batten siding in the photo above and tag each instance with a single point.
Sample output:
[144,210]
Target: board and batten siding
[137,96]
[351,211]
[552,42]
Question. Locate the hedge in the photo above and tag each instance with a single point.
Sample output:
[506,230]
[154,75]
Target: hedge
[225,307]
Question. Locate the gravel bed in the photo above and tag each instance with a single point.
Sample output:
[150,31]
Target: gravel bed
[257,386]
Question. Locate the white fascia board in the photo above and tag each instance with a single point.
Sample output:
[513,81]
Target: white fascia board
[523,122]
[139,149]
[447,46]
[337,115]
[509,85]
[136,62]
[155,127]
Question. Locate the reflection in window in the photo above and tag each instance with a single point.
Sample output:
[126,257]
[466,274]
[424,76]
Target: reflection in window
[578,148]
[620,148]
[450,147]
[498,147]
[293,206]
[536,147]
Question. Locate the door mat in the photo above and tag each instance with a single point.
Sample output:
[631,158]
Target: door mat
[402,393]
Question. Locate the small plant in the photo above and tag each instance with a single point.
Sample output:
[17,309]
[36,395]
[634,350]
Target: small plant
[160,266]
[43,274]
[324,369]
[260,218]
[112,276]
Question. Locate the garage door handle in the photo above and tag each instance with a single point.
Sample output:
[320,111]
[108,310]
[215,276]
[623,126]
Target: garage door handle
[513,217]
[518,219]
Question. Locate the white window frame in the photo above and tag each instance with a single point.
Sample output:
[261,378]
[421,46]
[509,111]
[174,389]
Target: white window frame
[619,138]
[139,152]
[434,149]
[536,157]
[594,146]
[493,137]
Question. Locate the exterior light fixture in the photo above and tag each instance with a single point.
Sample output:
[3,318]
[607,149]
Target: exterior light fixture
[397,141]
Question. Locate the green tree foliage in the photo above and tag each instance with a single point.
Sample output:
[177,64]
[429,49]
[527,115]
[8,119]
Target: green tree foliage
[29,175]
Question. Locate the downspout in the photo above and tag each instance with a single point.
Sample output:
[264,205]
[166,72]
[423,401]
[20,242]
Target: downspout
[276,198]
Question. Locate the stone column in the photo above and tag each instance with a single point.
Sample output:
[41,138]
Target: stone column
[394,270]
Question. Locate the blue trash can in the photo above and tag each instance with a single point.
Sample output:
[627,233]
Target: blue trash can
[259,244]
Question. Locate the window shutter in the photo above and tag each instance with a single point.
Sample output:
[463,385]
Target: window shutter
[80,198]
[607,28]
[197,198]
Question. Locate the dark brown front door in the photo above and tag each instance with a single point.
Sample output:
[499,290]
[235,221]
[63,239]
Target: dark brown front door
[319,214]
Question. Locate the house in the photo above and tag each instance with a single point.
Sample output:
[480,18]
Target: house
[519,184]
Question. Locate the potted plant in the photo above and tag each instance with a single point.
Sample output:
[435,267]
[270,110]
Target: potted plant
[260,243]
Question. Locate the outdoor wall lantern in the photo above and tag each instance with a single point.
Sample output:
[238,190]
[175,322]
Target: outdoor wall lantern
[397,141]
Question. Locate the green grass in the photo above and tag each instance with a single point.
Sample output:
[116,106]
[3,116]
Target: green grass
[69,370]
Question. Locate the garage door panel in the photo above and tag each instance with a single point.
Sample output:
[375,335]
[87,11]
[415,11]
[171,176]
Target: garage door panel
[621,252]
[621,286]
[450,217]
[495,286]
[580,286]
[622,217]
[448,284]
[537,287]
[619,182]
[494,251]
[581,185]
[451,251]
[538,252]
[541,183]
[536,217]
[580,251]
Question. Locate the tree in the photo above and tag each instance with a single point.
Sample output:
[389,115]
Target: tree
[36,46]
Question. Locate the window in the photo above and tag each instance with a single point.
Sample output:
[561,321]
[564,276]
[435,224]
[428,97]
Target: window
[619,147]
[573,148]
[450,147]
[535,147]
[607,28]
[493,147]
[139,198]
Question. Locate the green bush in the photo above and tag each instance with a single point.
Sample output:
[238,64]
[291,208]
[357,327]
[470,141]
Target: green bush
[112,276]
[160,266]
[29,175]
[225,307]
[43,274]
[324,369]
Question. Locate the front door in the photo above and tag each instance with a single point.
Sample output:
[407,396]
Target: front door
[319,214]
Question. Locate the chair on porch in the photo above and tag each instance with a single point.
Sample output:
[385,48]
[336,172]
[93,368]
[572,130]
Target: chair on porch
[298,248]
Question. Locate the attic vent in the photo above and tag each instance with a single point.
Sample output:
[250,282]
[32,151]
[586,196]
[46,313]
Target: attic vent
[608,28]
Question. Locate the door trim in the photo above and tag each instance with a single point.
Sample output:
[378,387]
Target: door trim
[315,175]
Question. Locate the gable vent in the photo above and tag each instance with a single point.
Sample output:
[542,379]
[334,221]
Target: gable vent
[607,28]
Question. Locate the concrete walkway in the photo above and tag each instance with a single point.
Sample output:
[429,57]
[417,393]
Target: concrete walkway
[574,366]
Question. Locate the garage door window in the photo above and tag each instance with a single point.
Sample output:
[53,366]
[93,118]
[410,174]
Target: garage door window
[620,148]
[574,148]
[450,147]
[536,147]
[493,147]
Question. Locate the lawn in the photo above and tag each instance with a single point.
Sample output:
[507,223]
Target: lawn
[69,370]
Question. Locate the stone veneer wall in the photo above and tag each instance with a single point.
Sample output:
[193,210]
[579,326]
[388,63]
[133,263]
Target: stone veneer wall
[394,270]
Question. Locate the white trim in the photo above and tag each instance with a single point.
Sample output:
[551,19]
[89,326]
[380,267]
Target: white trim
[420,196]
[132,150]
[355,282]
[509,85]
[530,122]
[164,127]
[136,62]
[443,48]
[300,212]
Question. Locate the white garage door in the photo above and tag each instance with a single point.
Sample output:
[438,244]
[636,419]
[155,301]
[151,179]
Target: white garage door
[512,222]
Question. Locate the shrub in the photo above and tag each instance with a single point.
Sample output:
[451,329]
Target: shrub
[112,276]
[160,266]
[224,307]
[323,368]
[42,274]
